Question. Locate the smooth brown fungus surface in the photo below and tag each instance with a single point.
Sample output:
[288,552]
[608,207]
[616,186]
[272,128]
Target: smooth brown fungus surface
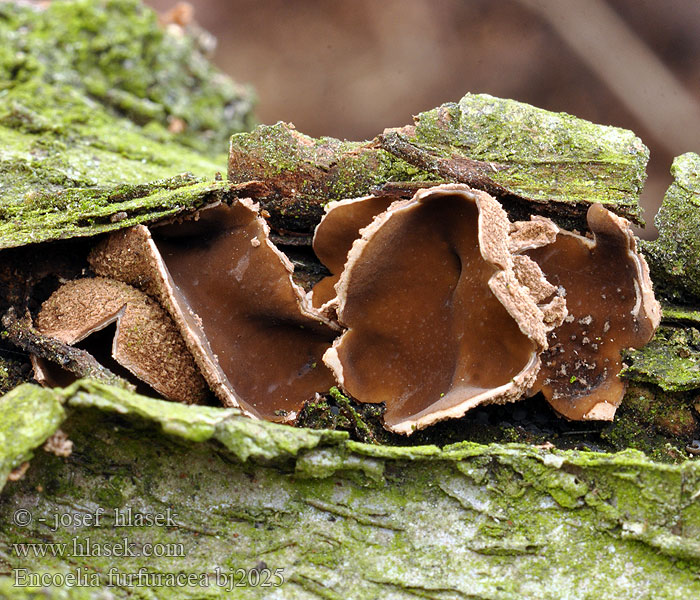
[437,319]
[611,307]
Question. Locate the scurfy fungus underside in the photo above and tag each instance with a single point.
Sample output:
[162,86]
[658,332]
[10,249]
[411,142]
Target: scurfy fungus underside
[146,342]
[434,305]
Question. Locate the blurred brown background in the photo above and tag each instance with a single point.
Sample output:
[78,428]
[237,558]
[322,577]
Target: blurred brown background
[350,68]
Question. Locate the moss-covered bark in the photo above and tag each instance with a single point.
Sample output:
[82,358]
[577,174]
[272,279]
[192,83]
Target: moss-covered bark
[672,360]
[29,416]
[557,161]
[111,56]
[532,160]
[87,91]
[302,174]
[344,519]
[674,258]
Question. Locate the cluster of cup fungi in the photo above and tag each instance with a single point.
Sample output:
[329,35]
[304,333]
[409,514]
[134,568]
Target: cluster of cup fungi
[435,305]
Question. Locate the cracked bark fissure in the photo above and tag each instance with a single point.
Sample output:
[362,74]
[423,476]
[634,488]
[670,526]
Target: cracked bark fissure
[74,360]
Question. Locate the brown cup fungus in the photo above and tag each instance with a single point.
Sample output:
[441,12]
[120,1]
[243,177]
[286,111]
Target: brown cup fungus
[250,328]
[611,307]
[438,320]
[146,342]
[443,302]
[335,235]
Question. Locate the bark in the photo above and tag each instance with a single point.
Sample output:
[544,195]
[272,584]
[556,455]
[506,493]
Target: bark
[74,360]
[674,258]
[341,519]
[534,161]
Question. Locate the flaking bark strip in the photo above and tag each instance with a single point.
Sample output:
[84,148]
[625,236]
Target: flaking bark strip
[674,257]
[488,143]
[29,415]
[536,154]
[303,173]
[479,175]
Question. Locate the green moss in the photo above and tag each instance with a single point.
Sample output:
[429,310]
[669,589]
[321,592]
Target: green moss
[671,360]
[114,51]
[28,416]
[657,423]
[79,212]
[304,173]
[674,258]
[680,314]
[88,89]
[86,92]
[337,412]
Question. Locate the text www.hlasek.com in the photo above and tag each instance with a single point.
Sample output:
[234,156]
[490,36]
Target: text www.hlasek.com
[84,547]
[227,579]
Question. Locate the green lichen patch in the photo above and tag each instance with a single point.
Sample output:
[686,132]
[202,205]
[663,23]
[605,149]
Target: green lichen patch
[536,154]
[671,360]
[87,91]
[198,424]
[674,258]
[245,438]
[262,441]
[340,517]
[28,416]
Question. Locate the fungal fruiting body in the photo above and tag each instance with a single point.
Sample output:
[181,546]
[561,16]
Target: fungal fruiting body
[335,235]
[411,258]
[434,305]
[251,330]
[436,319]
[611,307]
[146,342]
